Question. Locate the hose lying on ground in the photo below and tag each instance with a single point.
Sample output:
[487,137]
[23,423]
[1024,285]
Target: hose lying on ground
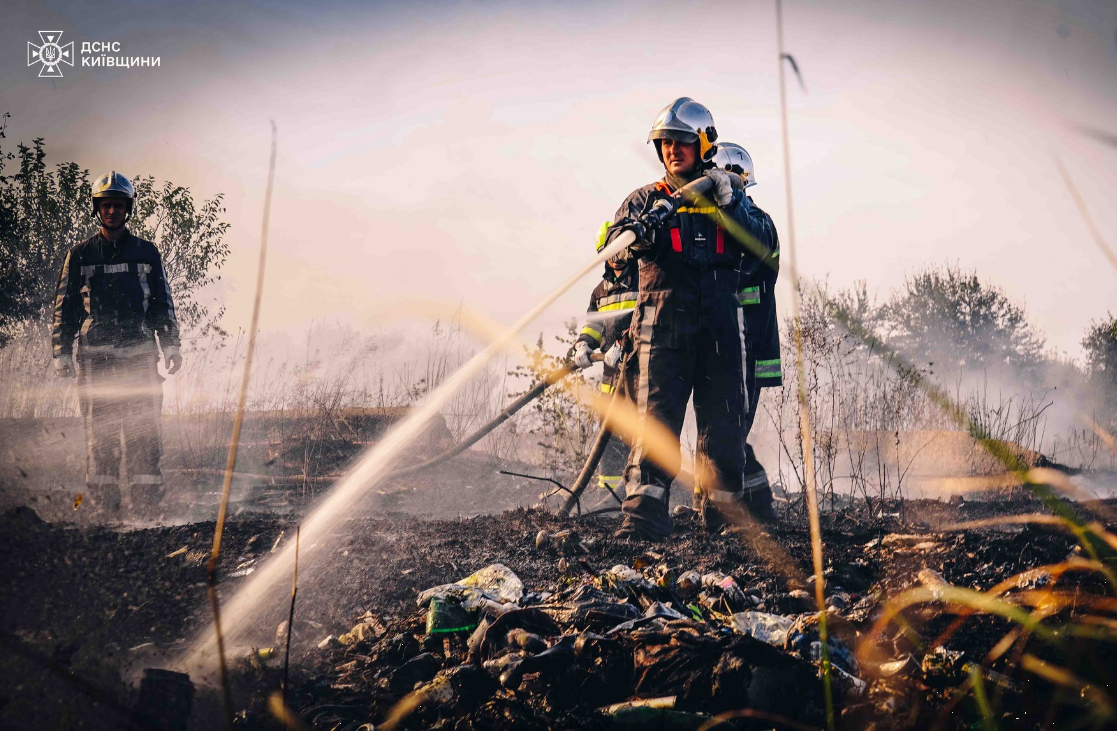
[549,380]
[596,452]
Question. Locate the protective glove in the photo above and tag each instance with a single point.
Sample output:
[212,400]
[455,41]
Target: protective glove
[172,359]
[723,186]
[643,243]
[614,355]
[64,366]
[582,355]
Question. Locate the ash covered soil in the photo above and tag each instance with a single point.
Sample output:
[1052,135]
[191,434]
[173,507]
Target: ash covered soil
[84,610]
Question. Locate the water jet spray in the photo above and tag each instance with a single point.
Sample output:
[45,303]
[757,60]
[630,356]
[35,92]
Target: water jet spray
[260,590]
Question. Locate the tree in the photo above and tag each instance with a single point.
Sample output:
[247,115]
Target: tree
[1100,344]
[191,241]
[44,211]
[951,319]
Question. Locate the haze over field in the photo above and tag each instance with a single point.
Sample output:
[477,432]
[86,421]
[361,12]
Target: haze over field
[468,152]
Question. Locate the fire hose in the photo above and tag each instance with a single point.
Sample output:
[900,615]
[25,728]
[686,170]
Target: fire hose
[662,210]
[535,392]
[600,442]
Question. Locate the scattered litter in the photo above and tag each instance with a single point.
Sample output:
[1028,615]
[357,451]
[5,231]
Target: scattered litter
[1033,579]
[179,552]
[448,617]
[839,600]
[906,665]
[624,573]
[688,583]
[770,628]
[913,542]
[367,627]
[930,578]
[496,582]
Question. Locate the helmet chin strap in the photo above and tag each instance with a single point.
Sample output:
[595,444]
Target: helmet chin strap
[112,228]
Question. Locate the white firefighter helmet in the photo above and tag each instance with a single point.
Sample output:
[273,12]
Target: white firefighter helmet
[685,120]
[734,158]
[113,185]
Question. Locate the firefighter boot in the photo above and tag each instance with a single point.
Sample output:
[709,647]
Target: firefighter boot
[645,519]
[147,498]
[105,501]
[721,510]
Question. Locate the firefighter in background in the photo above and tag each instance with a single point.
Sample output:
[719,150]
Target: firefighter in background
[114,299]
[688,325]
[762,335]
[607,321]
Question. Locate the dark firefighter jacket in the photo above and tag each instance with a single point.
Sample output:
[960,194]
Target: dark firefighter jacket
[762,332]
[115,295]
[691,268]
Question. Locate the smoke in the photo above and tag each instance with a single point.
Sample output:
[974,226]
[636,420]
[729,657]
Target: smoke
[880,431]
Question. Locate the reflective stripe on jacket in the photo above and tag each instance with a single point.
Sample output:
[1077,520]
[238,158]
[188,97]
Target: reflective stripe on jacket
[113,294]
[610,310]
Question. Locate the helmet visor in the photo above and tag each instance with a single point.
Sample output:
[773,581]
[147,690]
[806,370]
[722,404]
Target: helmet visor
[679,135]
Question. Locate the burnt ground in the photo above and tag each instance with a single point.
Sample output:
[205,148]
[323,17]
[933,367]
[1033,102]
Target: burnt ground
[84,610]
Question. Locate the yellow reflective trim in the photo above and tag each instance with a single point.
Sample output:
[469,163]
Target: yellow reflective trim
[625,305]
[606,388]
[587,330]
[695,209]
[602,233]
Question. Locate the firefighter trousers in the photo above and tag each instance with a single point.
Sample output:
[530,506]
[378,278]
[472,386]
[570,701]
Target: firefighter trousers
[121,396]
[707,363]
[755,479]
[610,471]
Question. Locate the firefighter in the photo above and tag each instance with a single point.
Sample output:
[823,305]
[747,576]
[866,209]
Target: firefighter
[608,319]
[688,325]
[762,336]
[114,299]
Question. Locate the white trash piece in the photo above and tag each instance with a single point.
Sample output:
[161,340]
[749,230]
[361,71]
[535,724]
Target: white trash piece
[770,628]
[497,579]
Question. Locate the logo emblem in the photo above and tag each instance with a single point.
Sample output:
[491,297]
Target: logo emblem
[51,54]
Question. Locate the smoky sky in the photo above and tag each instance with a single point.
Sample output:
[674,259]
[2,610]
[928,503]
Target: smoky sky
[467,152]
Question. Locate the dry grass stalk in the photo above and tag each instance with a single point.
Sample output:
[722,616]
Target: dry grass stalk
[211,566]
[291,614]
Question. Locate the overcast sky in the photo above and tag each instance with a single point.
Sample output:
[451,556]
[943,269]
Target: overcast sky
[469,151]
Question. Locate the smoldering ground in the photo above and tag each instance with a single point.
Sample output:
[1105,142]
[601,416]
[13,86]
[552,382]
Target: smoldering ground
[373,567]
[104,604]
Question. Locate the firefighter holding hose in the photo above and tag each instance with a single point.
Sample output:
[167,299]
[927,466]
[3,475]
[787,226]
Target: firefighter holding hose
[114,299]
[688,325]
[607,322]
